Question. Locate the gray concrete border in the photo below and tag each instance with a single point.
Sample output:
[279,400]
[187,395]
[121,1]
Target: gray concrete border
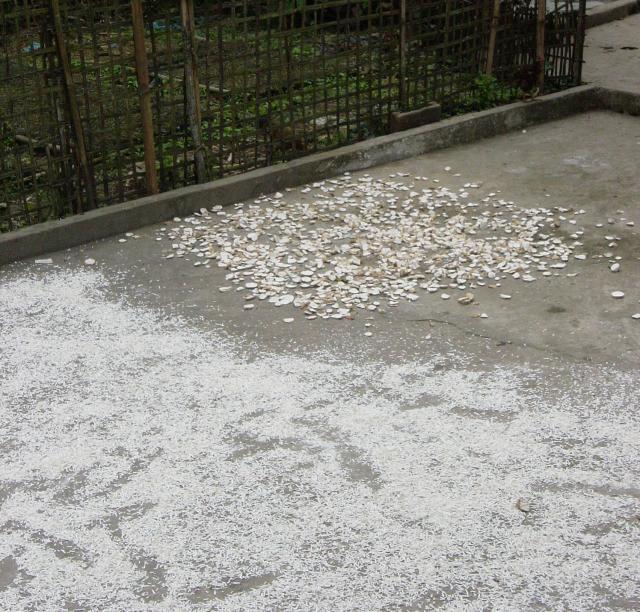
[619,101]
[611,12]
[112,220]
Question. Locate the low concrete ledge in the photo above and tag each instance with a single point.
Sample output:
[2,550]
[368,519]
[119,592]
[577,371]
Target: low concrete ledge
[611,12]
[112,220]
[432,113]
[619,101]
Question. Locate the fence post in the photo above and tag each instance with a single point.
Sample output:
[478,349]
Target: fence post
[76,120]
[192,87]
[56,99]
[493,34]
[402,85]
[540,23]
[142,71]
[579,50]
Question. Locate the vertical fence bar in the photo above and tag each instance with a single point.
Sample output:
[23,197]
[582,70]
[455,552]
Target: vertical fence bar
[76,120]
[330,64]
[142,71]
[54,84]
[493,34]
[402,85]
[541,16]
[579,50]
[192,88]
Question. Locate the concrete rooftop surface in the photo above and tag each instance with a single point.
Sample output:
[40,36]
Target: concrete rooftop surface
[612,55]
[162,447]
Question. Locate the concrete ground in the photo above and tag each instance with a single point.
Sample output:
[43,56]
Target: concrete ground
[612,55]
[593,4]
[162,448]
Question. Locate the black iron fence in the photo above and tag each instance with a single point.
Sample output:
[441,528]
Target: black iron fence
[102,101]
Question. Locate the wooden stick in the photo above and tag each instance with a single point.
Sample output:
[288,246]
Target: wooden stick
[540,24]
[76,120]
[402,85]
[142,71]
[192,88]
[579,50]
[493,34]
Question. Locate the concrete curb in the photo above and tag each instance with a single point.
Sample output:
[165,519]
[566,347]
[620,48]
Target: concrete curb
[112,220]
[619,101]
[611,11]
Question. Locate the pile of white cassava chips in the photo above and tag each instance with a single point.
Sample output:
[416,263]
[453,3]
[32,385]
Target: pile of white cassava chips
[350,244]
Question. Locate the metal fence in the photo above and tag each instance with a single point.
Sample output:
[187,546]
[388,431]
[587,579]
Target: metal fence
[102,101]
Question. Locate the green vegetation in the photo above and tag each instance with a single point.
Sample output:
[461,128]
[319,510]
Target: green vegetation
[290,86]
[485,93]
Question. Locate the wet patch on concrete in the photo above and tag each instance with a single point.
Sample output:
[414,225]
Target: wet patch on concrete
[8,572]
[435,599]
[475,413]
[113,522]
[358,468]
[249,445]
[6,490]
[137,466]
[425,400]
[556,310]
[70,487]
[62,548]
[232,587]
[353,461]
[620,525]
[152,587]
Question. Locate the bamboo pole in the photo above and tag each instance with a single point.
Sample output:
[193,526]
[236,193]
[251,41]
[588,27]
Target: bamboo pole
[493,35]
[142,71]
[76,120]
[55,85]
[540,25]
[402,85]
[192,88]
[579,50]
